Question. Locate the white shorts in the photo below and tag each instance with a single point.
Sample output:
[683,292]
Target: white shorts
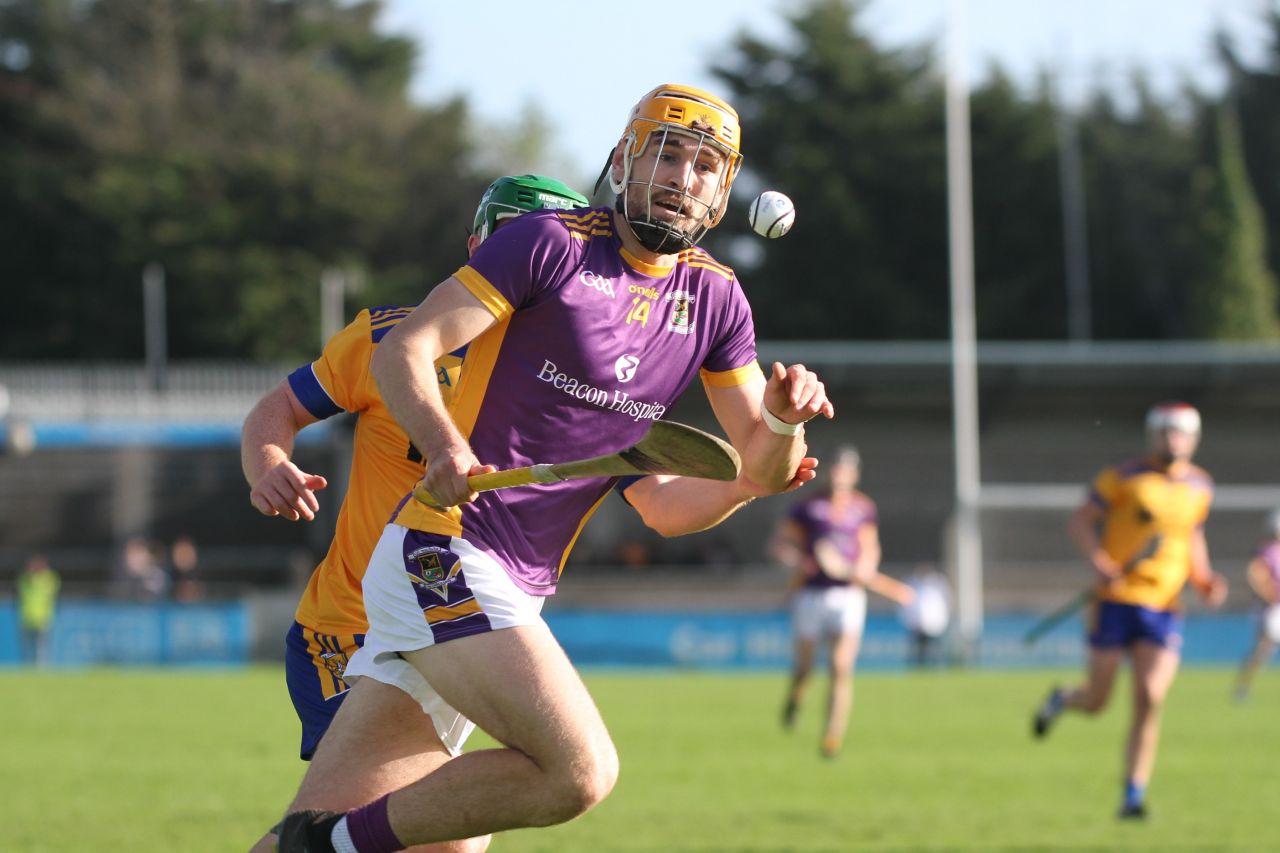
[422,589]
[1271,622]
[828,612]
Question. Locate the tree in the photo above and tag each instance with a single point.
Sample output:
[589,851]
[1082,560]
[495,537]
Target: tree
[1253,93]
[854,134]
[244,146]
[1235,297]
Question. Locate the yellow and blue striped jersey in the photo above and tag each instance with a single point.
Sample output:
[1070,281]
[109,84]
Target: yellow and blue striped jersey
[384,465]
[1149,517]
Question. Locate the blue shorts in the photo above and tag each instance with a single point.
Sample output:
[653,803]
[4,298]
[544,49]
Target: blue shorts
[1117,626]
[313,668]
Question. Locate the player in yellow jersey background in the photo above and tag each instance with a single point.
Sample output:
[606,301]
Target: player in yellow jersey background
[330,621]
[1142,530]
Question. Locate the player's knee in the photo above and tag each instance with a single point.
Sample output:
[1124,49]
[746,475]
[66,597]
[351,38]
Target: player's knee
[1148,701]
[586,783]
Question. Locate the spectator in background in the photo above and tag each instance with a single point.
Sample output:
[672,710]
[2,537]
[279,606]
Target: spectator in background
[927,615]
[38,587]
[141,575]
[831,542]
[183,561]
[1263,574]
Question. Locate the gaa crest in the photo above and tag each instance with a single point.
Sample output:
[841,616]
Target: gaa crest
[432,568]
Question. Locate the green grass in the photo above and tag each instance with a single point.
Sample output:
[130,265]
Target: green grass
[144,760]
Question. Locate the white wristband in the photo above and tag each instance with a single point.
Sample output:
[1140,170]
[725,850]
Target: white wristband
[777,424]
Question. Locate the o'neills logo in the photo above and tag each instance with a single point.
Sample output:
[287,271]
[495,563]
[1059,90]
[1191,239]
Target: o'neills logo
[615,400]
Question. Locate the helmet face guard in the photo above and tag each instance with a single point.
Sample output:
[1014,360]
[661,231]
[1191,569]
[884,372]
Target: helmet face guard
[1172,417]
[702,122]
[512,195]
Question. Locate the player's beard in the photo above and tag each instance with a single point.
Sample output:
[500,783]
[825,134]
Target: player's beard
[658,235]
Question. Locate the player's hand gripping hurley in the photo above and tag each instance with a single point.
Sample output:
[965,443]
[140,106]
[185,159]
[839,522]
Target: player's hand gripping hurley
[667,448]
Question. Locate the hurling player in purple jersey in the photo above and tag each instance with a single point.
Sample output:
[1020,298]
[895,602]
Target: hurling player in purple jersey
[831,542]
[1263,574]
[582,327]
[329,623]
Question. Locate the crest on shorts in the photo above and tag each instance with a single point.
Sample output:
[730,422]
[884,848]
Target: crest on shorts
[432,567]
[335,663]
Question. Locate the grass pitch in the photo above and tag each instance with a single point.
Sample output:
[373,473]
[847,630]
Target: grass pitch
[145,760]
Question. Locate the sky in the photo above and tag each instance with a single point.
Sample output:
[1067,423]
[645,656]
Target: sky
[586,64]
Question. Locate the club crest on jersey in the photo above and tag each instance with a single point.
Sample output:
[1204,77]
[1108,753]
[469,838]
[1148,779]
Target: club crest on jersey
[432,568]
[679,322]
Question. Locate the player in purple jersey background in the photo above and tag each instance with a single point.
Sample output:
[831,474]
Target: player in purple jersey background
[580,329]
[1263,574]
[831,543]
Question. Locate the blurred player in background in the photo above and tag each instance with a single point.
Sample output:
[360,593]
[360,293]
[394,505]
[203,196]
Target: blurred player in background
[330,622]
[38,587]
[1264,578]
[1142,530]
[926,617]
[582,327]
[831,543]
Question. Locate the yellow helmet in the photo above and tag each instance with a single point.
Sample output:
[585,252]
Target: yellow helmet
[691,112]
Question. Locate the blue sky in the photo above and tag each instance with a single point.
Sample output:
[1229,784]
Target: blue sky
[594,60]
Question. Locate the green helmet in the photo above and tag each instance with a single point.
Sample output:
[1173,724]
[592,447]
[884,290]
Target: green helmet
[512,195]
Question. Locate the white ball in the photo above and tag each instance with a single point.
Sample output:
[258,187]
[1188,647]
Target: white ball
[772,214]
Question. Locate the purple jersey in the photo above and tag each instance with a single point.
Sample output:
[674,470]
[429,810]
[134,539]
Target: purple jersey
[1269,554]
[820,519]
[591,346]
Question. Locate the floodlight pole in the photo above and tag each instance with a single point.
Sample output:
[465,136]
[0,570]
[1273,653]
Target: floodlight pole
[1075,232]
[154,326]
[964,348]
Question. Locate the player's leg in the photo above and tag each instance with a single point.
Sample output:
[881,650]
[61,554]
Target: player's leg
[1258,655]
[1112,628]
[352,775]
[806,624]
[843,654]
[1154,668]
[453,615]
[803,656]
[519,687]
[1089,697]
[351,768]
[1263,647]
[849,616]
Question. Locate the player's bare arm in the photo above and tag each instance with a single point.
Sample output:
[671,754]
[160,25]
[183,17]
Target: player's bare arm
[867,567]
[404,367]
[1259,578]
[1211,585]
[793,395]
[277,487]
[1083,527]
[676,506]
